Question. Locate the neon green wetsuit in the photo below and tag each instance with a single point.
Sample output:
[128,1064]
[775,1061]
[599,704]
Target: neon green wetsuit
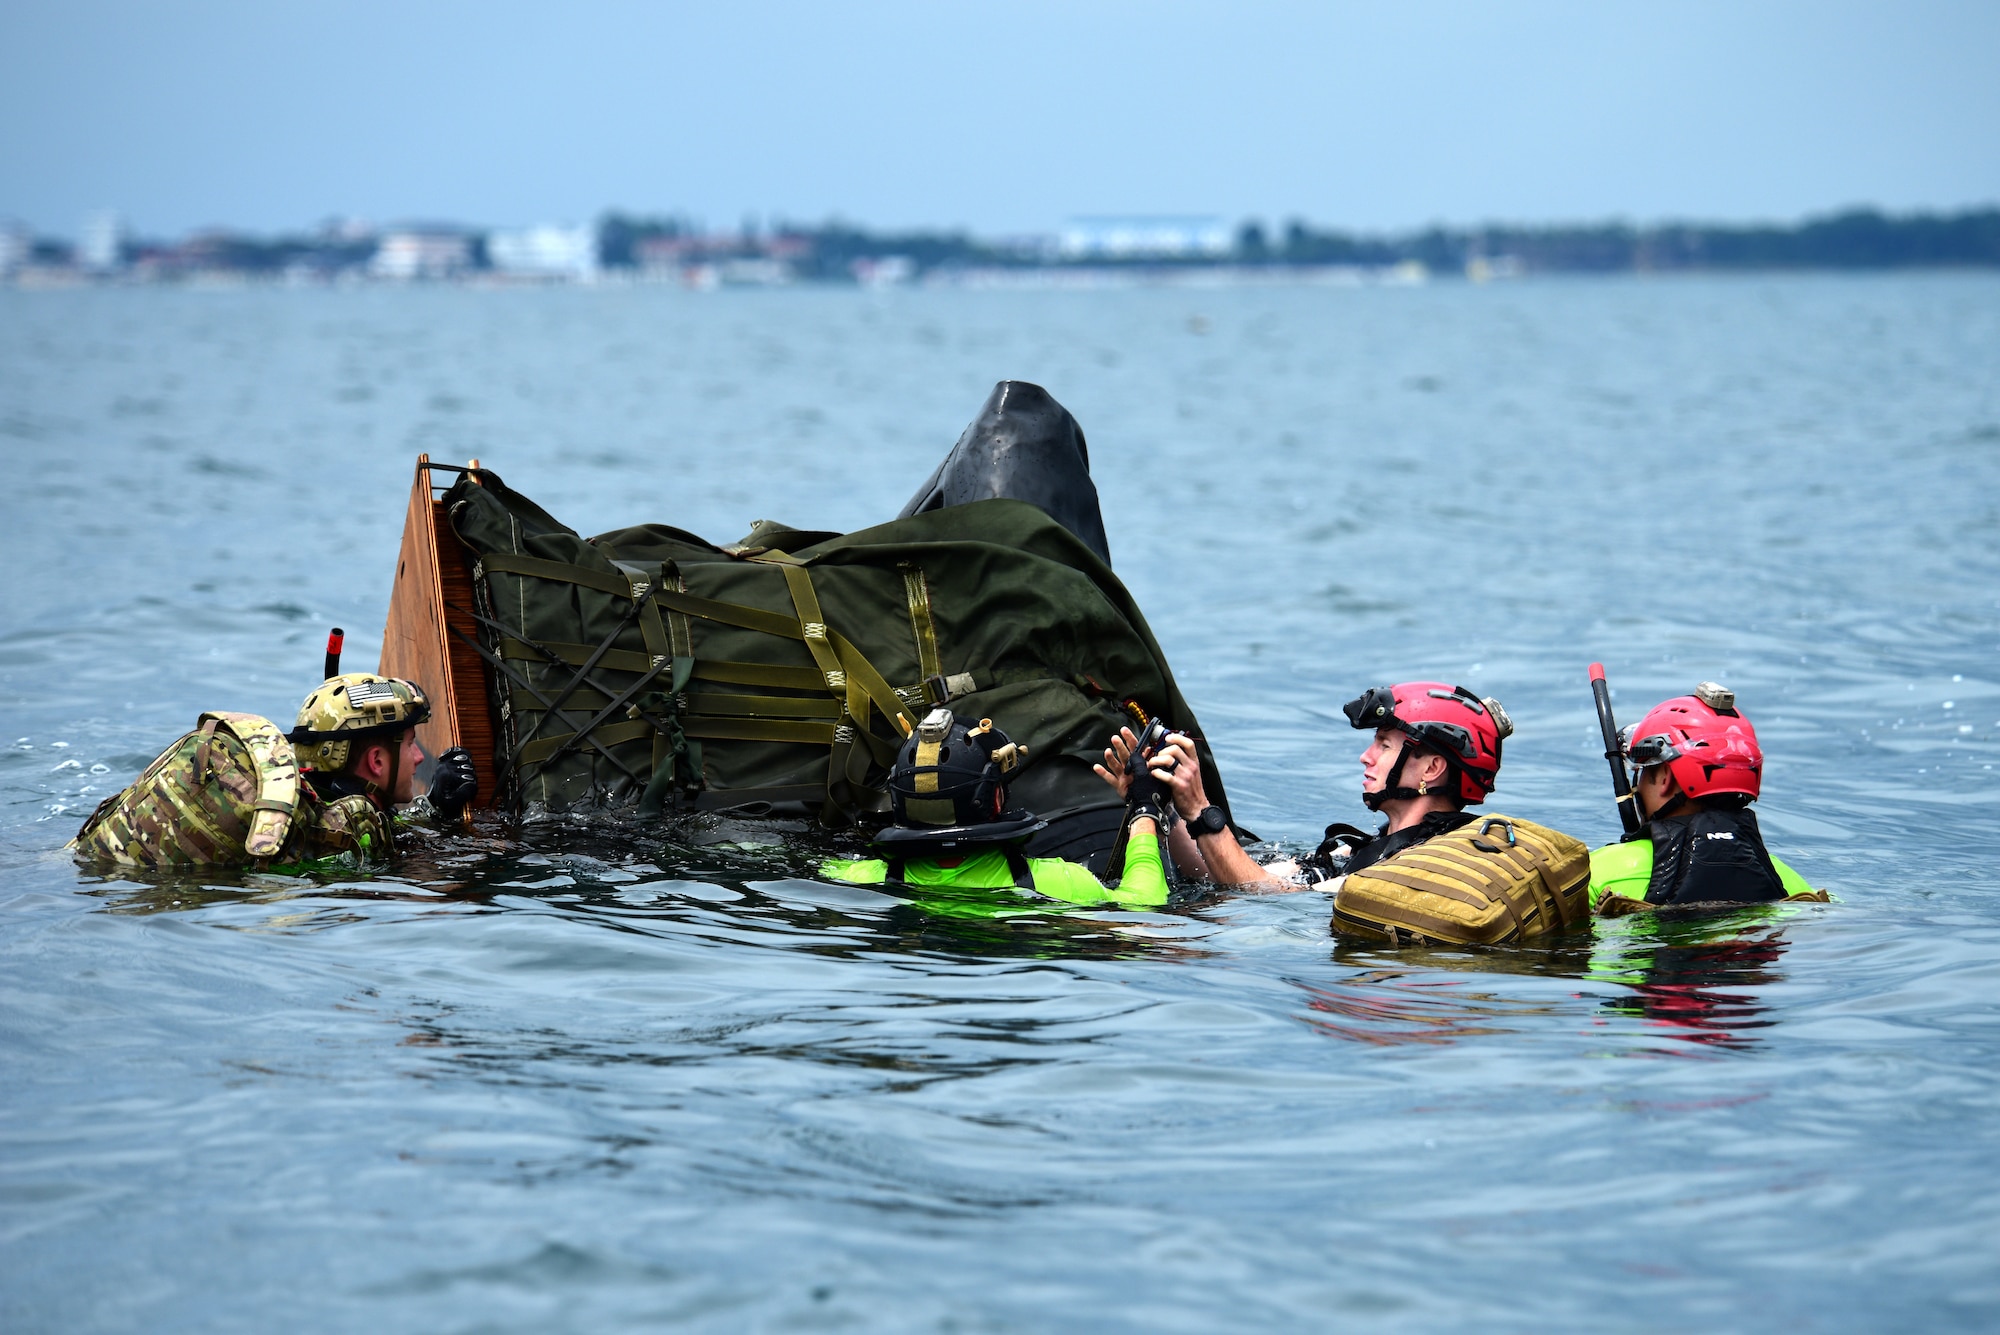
[1627,869]
[1143,885]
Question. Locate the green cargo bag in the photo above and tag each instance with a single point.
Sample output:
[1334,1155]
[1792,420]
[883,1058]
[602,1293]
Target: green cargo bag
[649,669]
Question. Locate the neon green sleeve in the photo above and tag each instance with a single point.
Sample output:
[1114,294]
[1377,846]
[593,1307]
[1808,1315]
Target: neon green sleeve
[856,871]
[1621,869]
[1143,886]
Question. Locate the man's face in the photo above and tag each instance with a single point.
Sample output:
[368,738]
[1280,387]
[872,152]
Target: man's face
[1380,758]
[406,772]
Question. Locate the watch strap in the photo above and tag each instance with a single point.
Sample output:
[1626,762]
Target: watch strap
[1209,821]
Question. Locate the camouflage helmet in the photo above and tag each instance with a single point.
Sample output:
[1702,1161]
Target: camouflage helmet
[356,707]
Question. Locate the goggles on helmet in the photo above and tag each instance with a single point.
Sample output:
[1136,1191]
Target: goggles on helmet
[1376,708]
[1656,749]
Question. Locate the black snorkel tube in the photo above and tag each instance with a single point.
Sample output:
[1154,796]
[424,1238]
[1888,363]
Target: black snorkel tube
[335,638]
[1614,752]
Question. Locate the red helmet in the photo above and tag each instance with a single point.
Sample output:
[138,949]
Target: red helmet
[1450,720]
[1707,746]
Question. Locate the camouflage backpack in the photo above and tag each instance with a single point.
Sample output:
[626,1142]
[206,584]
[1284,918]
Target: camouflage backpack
[229,794]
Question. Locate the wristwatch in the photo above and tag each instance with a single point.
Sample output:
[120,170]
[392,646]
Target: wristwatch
[1210,821]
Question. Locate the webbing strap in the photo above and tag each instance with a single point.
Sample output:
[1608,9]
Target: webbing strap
[617,660]
[679,633]
[762,706]
[509,563]
[921,624]
[642,596]
[506,670]
[810,731]
[730,614]
[645,581]
[843,670]
[630,660]
[618,702]
[759,674]
[839,682]
[208,725]
[610,734]
[877,687]
[812,622]
[848,660]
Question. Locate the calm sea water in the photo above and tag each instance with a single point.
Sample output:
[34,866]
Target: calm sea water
[587,1083]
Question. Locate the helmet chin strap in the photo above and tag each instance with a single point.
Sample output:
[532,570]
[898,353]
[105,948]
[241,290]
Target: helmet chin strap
[1390,791]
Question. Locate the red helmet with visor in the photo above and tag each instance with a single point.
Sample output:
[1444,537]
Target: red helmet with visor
[1450,720]
[1709,748]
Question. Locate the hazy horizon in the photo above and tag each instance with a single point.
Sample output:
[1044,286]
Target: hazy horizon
[993,120]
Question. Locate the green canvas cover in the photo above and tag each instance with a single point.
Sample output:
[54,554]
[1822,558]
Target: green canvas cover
[649,668]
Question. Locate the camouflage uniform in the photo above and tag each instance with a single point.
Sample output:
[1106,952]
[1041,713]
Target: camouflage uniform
[230,794]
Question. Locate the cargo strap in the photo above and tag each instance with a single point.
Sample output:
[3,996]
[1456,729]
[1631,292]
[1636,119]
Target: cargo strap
[847,661]
[643,580]
[921,625]
[277,776]
[844,672]
[642,596]
[707,669]
[507,670]
[848,673]
[640,586]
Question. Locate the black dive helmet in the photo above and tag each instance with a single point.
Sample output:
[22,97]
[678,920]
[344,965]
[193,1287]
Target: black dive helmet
[948,788]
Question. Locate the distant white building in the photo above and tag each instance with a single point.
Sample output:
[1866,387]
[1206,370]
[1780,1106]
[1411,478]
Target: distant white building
[421,252]
[102,247]
[545,252]
[884,271]
[1144,238]
[17,246]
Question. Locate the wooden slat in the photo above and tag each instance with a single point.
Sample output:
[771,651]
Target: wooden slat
[432,570]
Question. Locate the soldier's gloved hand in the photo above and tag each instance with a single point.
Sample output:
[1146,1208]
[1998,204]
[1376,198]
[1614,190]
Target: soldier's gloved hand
[1148,795]
[454,784]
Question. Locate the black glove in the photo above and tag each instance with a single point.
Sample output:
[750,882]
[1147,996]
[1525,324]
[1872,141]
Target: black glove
[454,783]
[1148,795]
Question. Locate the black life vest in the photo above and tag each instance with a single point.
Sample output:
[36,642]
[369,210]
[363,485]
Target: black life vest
[1710,857]
[1346,849]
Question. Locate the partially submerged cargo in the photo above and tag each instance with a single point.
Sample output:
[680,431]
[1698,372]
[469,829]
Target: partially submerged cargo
[651,671]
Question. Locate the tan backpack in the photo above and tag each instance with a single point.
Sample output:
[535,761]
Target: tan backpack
[1490,882]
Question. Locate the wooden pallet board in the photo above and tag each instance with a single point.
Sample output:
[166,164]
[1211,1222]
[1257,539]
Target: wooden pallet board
[432,596]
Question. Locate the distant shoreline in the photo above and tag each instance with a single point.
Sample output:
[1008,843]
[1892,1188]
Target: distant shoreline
[1094,252]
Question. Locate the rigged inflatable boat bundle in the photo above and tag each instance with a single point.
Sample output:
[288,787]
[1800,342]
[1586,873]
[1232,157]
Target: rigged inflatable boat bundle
[650,670]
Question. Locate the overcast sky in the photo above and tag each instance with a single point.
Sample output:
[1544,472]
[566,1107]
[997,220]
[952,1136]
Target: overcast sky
[275,114]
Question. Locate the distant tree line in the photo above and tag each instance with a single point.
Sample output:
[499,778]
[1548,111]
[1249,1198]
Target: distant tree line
[1855,239]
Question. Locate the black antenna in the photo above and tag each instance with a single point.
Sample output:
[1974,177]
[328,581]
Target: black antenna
[1621,787]
[334,639]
